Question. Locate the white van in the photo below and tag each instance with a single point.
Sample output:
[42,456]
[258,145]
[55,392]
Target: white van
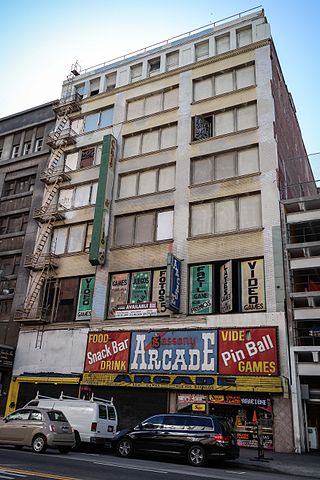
[94,421]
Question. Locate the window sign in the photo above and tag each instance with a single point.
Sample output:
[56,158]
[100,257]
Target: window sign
[226,287]
[174,283]
[159,290]
[252,286]
[140,287]
[200,297]
[85,298]
[119,290]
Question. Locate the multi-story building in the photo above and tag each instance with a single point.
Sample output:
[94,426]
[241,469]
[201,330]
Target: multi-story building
[23,156]
[168,292]
[301,220]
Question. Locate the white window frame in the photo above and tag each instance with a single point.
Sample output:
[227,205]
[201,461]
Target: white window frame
[68,228]
[38,144]
[96,158]
[15,151]
[99,113]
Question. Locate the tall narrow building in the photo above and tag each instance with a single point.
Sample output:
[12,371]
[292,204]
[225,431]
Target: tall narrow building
[162,225]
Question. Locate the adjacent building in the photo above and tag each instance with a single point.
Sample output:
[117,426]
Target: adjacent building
[157,275]
[23,156]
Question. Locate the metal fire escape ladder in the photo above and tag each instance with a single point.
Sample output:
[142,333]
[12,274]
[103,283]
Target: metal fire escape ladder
[34,289]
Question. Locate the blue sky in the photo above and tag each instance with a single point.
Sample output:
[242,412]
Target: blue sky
[41,39]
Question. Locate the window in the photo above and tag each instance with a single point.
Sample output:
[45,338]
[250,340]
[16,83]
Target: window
[224,215]
[80,196]
[150,141]
[15,151]
[136,287]
[136,72]
[222,43]
[94,87]
[26,148]
[225,122]
[71,239]
[103,412]
[201,50]
[79,91]
[62,298]
[19,415]
[149,181]
[56,416]
[154,66]
[222,287]
[143,228]
[110,81]
[38,144]
[36,416]
[19,185]
[154,103]
[13,224]
[225,82]
[244,36]
[101,119]
[172,60]
[111,413]
[86,157]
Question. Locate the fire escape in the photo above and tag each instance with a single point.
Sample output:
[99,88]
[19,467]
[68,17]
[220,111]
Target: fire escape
[43,262]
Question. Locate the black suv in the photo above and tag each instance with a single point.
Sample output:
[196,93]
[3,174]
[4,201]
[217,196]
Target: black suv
[196,437]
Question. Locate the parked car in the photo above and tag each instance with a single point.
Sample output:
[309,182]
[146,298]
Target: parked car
[94,421]
[196,437]
[38,428]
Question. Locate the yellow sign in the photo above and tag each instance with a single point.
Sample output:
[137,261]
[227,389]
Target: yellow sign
[186,382]
[198,407]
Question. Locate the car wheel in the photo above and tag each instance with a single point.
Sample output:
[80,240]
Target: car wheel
[39,444]
[77,444]
[64,449]
[125,448]
[18,447]
[197,456]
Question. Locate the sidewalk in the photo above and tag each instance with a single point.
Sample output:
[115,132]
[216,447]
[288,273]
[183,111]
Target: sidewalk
[307,465]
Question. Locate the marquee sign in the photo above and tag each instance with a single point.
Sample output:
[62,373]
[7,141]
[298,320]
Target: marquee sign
[107,352]
[174,283]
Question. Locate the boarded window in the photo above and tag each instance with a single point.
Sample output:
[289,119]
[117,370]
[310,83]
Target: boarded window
[82,196]
[169,137]
[111,79]
[201,50]
[222,43]
[245,77]
[201,218]
[59,238]
[124,228]
[76,238]
[164,225]
[225,166]
[150,141]
[65,197]
[201,171]
[147,182]
[166,178]
[144,230]
[224,122]
[71,161]
[128,186]
[223,83]
[135,109]
[131,146]
[170,98]
[225,216]
[202,89]
[153,104]
[94,86]
[244,36]
[248,161]
[136,72]
[250,212]
[246,117]
[172,60]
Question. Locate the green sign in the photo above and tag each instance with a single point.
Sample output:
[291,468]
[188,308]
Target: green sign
[200,297]
[85,298]
[140,287]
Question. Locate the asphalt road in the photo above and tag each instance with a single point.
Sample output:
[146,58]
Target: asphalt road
[17,465]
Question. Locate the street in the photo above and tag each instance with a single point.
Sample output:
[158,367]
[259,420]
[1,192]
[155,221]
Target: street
[15,465]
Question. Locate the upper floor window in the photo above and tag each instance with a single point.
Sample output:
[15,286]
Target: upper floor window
[201,50]
[222,43]
[224,165]
[26,148]
[154,65]
[172,60]
[225,122]
[110,81]
[147,181]
[154,103]
[150,141]
[15,151]
[19,185]
[86,157]
[102,119]
[13,223]
[94,86]
[224,215]
[38,144]
[220,83]
[244,36]
[80,196]
[71,239]
[79,90]
[136,72]
[143,228]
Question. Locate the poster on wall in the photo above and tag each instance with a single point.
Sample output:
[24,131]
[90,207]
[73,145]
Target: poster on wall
[107,352]
[178,351]
[84,306]
[159,290]
[140,287]
[119,290]
[200,296]
[248,351]
[226,287]
[252,286]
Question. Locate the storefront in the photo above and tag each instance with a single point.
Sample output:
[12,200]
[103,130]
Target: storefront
[228,372]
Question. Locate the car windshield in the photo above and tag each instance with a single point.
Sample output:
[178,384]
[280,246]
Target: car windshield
[56,416]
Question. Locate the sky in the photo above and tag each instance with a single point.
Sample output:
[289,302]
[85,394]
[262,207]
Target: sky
[41,39]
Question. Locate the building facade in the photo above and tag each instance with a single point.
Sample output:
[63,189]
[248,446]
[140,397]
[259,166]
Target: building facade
[165,178]
[23,156]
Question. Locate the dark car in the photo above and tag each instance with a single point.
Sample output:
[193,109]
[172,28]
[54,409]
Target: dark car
[198,438]
[38,428]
